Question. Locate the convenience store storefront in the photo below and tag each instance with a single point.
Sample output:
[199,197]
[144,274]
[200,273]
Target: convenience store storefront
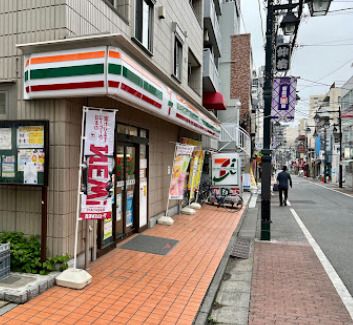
[150,117]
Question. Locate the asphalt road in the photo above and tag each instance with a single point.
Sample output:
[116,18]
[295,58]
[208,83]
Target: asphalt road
[328,216]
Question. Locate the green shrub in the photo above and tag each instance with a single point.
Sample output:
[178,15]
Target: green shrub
[25,255]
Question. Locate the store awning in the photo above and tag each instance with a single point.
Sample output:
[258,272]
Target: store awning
[214,101]
[107,70]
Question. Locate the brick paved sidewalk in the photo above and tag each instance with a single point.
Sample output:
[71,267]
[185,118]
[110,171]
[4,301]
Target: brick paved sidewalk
[131,287]
[290,286]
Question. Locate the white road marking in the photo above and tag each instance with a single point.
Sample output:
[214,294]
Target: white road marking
[331,189]
[334,277]
[253,200]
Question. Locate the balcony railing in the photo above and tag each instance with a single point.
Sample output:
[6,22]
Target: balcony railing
[234,137]
[212,25]
[210,72]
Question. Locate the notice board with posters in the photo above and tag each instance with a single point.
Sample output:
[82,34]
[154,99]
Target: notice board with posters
[24,152]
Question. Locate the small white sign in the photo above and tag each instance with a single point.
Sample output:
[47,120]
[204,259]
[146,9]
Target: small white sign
[5,139]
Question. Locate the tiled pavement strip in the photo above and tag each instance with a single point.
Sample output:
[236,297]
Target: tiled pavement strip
[290,286]
[131,287]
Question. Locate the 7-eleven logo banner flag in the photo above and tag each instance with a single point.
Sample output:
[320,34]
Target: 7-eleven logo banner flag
[226,169]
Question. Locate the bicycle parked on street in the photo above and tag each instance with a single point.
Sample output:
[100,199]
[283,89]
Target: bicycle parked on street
[220,197]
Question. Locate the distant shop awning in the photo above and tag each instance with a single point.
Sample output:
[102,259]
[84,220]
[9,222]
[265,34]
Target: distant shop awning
[214,101]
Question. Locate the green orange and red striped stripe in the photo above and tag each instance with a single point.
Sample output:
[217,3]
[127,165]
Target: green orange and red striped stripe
[66,57]
[136,93]
[66,86]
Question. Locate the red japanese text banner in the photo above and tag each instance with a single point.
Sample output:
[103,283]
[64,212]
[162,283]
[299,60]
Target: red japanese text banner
[96,202]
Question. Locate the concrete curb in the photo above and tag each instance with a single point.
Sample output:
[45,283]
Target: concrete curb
[207,303]
[37,285]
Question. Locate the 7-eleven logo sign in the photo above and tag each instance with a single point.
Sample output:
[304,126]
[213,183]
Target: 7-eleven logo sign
[224,170]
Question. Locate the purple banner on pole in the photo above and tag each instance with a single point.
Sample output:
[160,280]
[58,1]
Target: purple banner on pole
[284,98]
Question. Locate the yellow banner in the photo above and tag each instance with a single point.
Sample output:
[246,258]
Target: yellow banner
[195,180]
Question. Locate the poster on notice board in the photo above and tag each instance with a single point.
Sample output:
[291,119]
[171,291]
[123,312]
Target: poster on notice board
[30,137]
[24,152]
[5,139]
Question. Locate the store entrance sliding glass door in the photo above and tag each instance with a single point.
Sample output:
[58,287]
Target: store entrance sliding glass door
[126,190]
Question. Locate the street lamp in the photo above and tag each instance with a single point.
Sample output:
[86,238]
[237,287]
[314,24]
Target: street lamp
[319,7]
[267,93]
[317,118]
[289,23]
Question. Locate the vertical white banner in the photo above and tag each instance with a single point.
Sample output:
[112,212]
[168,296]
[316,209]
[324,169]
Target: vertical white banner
[98,155]
[181,162]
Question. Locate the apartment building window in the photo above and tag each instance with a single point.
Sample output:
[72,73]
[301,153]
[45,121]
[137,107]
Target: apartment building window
[194,73]
[3,103]
[144,23]
[197,8]
[122,7]
[178,57]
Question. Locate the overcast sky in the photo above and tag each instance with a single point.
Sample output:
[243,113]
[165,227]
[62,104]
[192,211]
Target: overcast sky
[323,64]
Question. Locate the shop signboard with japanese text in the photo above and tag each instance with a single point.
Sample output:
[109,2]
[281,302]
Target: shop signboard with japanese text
[98,159]
[24,152]
[282,60]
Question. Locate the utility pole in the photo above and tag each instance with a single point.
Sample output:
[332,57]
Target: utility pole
[266,152]
[325,158]
[289,25]
[340,174]
[340,179]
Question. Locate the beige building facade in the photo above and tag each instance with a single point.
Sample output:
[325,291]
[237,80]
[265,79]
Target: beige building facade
[161,42]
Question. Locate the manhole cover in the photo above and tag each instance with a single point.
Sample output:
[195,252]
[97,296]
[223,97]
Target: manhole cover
[241,248]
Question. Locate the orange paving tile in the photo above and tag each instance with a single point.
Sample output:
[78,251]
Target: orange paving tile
[131,287]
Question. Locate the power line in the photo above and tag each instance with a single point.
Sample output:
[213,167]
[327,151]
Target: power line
[323,45]
[262,21]
[320,83]
[334,41]
[337,69]
[242,20]
[343,9]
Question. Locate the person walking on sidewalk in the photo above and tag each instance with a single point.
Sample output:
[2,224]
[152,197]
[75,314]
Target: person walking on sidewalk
[283,178]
